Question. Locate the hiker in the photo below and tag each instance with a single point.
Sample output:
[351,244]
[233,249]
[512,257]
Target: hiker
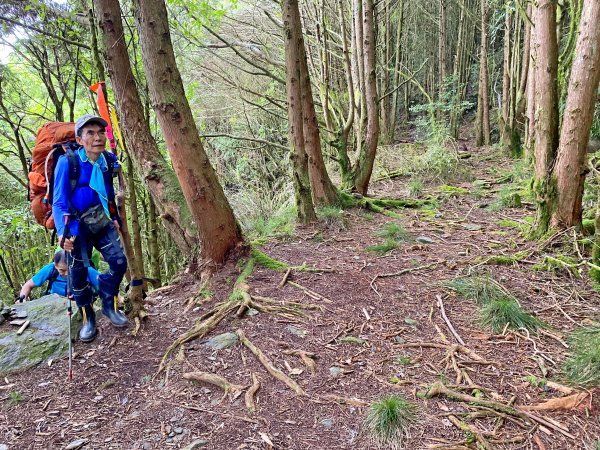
[55,274]
[87,218]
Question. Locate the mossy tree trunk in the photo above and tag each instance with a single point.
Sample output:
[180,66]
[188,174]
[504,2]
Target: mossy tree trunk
[158,177]
[570,168]
[546,117]
[218,230]
[152,239]
[294,51]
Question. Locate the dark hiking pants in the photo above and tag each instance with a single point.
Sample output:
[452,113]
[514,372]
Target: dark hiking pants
[107,242]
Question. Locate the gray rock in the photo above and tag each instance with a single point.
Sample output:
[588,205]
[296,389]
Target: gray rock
[46,338]
[222,341]
[411,322]
[172,434]
[327,423]
[252,312]
[21,314]
[76,444]
[178,430]
[472,226]
[352,340]
[424,240]
[198,443]
[296,331]
[336,371]
[146,446]
[3,447]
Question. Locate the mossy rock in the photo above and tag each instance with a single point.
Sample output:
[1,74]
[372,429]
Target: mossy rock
[45,338]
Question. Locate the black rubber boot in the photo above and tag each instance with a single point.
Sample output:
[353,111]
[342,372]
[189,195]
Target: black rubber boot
[88,330]
[109,309]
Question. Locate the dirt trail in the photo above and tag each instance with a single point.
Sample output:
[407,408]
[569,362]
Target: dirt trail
[361,342]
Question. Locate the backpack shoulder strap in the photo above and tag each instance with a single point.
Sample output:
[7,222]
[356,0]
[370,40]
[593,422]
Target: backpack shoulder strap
[51,280]
[74,167]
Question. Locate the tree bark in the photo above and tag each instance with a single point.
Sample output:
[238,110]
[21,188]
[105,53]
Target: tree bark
[158,177]
[366,159]
[294,45]
[218,229]
[570,169]
[546,111]
[323,191]
[482,133]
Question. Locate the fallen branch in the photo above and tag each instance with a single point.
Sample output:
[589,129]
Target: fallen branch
[401,272]
[285,277]
[251,392]
[440,304]
[214,379]
[310,293]
[275,372]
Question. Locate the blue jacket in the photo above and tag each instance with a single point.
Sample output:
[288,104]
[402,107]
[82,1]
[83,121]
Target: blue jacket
[81,199]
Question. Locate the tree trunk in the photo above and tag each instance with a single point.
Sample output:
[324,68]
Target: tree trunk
[153,247]
[482,134]
[158,177]
[546,115]
[505,127]
[524,78]
[323,191]
[135,219]
[570,169]
[294,46]
[364,165]
[218,229]
[396,74]
[442,49]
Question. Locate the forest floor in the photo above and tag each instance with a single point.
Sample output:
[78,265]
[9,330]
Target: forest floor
[370,336]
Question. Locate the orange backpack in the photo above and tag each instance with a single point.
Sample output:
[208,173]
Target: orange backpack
[49,143]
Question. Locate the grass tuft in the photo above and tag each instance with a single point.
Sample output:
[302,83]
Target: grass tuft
[481,290]
[382,249]
[496,314]
[393,231]
[583,366]
[389,419]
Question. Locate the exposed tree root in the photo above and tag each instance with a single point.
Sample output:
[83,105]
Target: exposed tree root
[346,400]
[306,357]
[439,388]
[471,429]
[275,372]
[562,403]
[214,379]
[250,393]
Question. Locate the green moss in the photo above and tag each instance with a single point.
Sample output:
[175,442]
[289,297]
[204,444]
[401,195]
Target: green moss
[508,223]
[393,231]
[558,263]
[507,260]
[267,262]
[452,191]
[589,226]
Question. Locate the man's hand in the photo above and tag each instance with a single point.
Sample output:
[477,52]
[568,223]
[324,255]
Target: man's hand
[67,244]
[21,299]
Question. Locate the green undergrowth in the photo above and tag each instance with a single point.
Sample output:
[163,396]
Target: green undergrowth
[389,420]
[393,234]
[522,228]
[498,308]
[332,217]
[415,187]
[381,205]
[446,191]
[280,223]
[582,367]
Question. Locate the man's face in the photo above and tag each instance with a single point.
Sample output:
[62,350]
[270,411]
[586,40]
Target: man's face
[62,269]
[93,139]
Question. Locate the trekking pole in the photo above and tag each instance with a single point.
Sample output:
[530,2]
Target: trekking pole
[69,292]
